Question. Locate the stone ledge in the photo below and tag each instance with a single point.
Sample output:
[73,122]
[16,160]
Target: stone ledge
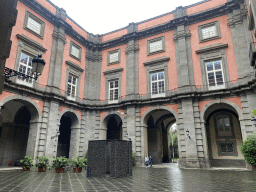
[115,70]
[211,48]
[31,42]
[157,60]
[75,66]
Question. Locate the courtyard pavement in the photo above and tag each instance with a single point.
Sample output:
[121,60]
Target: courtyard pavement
[159,178]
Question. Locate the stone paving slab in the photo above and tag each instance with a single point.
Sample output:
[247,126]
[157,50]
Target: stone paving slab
[158,178]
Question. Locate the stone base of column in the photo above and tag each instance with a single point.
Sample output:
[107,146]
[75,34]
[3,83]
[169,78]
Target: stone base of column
[194,163]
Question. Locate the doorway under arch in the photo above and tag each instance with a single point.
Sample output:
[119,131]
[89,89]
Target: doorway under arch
[158,123]
[114,128]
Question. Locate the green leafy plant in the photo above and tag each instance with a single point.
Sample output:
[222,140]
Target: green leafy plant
[60,162]
[248,149]
[79,162]
[133,156]
[27,162]
[42,162]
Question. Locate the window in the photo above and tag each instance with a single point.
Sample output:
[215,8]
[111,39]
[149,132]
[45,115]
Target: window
[156,45]
[214,74]
[223,125]
[157,83]
[71,91]
[113,90]
[25,67]
[75,51]
[113,57]
[227,148]
[34,25]
[209,31]
[113,84]
[73,80]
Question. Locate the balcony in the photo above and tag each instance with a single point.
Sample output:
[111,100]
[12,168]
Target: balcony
[252,53]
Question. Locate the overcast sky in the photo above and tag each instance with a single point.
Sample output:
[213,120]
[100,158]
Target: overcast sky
[103,16]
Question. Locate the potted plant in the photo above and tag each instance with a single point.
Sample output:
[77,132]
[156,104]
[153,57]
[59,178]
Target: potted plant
[78,163]
[133,158]
[248,149]
[42,163]
[26,163]
[60,163]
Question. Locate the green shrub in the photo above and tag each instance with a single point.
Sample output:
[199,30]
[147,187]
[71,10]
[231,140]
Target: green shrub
[27,162]
[60,162]
[248,149]
[133,156]
[42,162]
[79,162]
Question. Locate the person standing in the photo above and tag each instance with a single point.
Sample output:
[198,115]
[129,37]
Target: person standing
[146,161]
[150,161]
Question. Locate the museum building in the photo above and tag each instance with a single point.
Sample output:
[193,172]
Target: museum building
[190,66]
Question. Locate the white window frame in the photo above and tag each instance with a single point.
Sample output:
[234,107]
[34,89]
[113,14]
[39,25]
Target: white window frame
[22,80]
[72,85]
[157,82]
[216,86]
[113,90]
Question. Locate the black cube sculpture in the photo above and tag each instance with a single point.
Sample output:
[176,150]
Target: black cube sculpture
[112,157]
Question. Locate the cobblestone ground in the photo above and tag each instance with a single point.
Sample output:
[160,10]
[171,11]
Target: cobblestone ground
[151,179]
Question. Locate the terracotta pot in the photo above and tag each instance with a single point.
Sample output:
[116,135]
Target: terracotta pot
[26,169]
[41,169]
[59,170]
[77,169]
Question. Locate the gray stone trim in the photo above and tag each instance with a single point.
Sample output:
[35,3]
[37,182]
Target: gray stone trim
[200,35]
[157,60]
[78,47]
[211,48]
[111,52]
[218,54]
[115,70]
[154,40]
[75,70]
[157,67]
[227,154]
[113,75]
[74,66]
[27,15]
[31,42]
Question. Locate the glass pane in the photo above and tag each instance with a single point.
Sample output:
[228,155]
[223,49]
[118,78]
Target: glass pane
[116,83]
[161,86]
[209,66]
[111,84]
[217,65]
[73,91]
[111,95]
[69,78]
[116,94]
[74,81]
[154,76]
[211,79]
[154,88]
[160,75]
[230,148]
[23,58]
[219,78]
[69,90]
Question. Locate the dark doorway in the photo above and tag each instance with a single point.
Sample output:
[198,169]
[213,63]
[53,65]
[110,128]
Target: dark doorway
[114,129]
[64,138]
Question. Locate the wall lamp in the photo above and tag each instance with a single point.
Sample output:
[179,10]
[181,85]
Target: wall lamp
[188,133]
[58,133]
[37,68]
[253,121]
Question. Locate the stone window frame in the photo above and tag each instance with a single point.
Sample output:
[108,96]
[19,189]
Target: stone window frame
[111,52]
[153,66]
[76,71]
[110,75]
[213,53]
[154,40]
[231,125]
[200,35]
[78,47]
[235,153]
[31,48]
[27,15]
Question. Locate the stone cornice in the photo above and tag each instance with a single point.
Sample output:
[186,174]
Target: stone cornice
[31,42]
[211,48]
[75,66]
[171,25]
[115,70]
[157,60]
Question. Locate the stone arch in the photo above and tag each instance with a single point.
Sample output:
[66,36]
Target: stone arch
[74,133]
[104,121]
[157,108]
[10,106]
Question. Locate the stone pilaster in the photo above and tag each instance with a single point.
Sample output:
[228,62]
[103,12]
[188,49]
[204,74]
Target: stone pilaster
[56,62]
[132,48]
[183,58]
[241,38]
[131,124]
